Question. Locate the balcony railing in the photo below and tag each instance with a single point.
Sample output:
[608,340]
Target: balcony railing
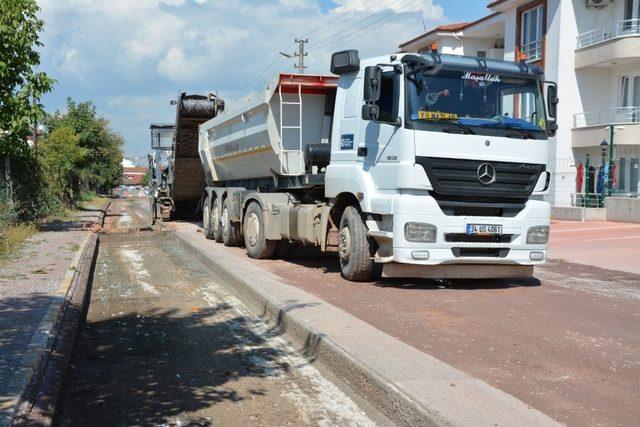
[611,116]
[628,27]
[533,50]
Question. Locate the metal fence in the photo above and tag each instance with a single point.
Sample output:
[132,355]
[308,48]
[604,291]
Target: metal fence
[628,27]
[610,116]
[533,50]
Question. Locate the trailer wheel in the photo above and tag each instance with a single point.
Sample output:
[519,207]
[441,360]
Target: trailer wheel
[216,226]
[230,230]
[206,219]
[356,248]
[254,241]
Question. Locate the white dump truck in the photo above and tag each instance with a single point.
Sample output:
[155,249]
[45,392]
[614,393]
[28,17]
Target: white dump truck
[410,165]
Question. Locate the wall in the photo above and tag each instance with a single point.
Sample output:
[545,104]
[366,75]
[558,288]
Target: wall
[623,209]
[592,18]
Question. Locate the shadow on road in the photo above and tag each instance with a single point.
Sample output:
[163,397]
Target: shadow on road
[148,368]
[312,258]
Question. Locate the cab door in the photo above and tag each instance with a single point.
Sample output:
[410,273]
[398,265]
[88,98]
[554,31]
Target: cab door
[380,139]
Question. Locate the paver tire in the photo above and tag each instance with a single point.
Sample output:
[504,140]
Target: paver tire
[356,248]
[230,229]
[253,230]
[206,219]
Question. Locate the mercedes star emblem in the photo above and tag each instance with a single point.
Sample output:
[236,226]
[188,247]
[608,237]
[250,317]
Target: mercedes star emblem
[486,174]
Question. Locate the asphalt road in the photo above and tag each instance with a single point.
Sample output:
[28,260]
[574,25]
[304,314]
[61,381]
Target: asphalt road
[163,344]
[566,343]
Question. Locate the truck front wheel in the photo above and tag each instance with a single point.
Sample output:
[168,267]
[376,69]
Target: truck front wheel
[356,249]
[253,230]
[230,230]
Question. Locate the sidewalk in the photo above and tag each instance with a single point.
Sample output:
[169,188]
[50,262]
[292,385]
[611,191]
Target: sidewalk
[603,244]
[33,286]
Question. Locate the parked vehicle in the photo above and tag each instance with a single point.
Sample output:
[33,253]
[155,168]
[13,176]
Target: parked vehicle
[407,165]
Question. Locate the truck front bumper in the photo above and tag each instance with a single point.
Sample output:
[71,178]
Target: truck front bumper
[452,247]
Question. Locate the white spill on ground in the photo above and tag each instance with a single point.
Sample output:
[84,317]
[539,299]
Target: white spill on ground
[135,259]
[326,403]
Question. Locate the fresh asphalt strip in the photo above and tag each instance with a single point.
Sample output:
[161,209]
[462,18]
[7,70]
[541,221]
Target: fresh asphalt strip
[408,386]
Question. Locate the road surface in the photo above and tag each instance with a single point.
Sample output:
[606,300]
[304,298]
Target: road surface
[566,343]
[163,344]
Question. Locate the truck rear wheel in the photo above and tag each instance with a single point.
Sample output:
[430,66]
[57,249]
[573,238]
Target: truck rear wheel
[230,230]
[356,248]
[216,226]
[206,219]
[253,230]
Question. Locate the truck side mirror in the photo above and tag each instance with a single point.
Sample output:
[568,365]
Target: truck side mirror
[552,100]
[370,111]
[372,82]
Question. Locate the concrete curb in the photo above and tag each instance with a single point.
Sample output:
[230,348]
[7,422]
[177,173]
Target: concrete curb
[406,385]
[38,380]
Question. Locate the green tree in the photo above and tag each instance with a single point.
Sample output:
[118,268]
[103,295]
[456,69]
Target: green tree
[21,86]
[102,165]
[61,155]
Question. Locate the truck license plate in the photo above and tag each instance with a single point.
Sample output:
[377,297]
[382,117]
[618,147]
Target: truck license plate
[484,229]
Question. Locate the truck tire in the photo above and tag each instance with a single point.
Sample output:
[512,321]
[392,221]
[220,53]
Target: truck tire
[216,226]
[253,230]
[206,219]
[230,230]
[356,248]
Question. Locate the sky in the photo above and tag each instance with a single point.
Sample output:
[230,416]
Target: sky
[132,57]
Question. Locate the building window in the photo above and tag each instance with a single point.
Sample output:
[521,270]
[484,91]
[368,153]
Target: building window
[630,96]
[482,54]
[532,33]
[632,9]
[622,170]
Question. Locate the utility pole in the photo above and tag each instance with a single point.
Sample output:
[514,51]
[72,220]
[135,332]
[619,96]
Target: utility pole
[301,54]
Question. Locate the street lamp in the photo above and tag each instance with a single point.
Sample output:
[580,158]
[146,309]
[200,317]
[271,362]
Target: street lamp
[604,145]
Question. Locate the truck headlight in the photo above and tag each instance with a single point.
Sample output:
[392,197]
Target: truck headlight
[538,235]
[420,232]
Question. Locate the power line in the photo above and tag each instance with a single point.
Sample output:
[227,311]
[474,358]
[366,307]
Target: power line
[337,38]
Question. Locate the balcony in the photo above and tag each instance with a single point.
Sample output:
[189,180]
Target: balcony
[533,50]
[590,128]
[629,27]
[618,43]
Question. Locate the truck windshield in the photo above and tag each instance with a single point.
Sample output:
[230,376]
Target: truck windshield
[476,102]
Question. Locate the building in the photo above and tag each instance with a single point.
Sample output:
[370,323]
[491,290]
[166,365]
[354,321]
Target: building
[591,48]
[134,175]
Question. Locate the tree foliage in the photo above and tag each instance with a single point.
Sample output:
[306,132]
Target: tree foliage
[21,86]
[62,156]
[101,166]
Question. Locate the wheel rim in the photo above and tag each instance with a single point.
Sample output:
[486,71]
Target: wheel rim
[215,218]
[252,229]
[345,244]
[225,217]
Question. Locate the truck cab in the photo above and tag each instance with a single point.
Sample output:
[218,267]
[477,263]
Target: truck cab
[447,157]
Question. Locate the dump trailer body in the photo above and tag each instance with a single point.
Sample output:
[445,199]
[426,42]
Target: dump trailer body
[186,174]
[266,137]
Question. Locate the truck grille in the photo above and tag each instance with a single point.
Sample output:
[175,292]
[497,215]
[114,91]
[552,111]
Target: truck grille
[480,252]
[459,191]
[466,238]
